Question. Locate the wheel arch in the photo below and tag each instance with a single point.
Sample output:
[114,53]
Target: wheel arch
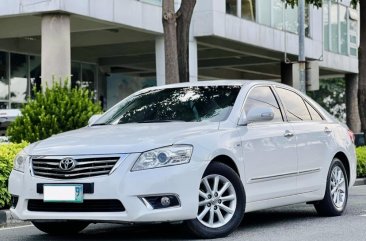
[343,158]
[227,161]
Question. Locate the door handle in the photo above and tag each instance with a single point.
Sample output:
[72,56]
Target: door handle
[288,134]
[327,130]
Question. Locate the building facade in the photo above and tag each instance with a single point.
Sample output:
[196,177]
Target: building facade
[116,47]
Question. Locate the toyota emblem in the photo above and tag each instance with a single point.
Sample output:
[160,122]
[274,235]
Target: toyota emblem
[67,164]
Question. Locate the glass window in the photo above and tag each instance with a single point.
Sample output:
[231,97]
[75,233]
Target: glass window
[307,20]
[264,12]
[88,77]
[189,104]
[4,105]
[277,10]
[4,81]
[155,2]
[314,114]
[263,97]
[19,87]
[16,105]
[343,29]
[291,19]
[248,9]
[35,73]
[75,74]
[326,23]
[231,7]
[119,86]
[294,104]
[334,27]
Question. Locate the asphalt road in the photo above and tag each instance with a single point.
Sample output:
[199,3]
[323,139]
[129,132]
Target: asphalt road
[291,223]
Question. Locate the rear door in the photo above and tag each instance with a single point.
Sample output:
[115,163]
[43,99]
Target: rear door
[269,150]
[313,137]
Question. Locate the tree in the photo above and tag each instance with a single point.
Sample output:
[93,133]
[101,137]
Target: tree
[176,38]
[362,67]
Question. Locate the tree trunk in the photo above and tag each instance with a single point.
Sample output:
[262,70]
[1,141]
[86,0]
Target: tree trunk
[353,117]
[362,67]
[184,17]
[170,42]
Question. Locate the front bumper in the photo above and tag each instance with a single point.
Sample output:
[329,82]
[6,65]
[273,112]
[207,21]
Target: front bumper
[124,185]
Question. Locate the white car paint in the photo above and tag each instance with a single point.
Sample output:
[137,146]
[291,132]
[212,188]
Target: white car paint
[275,170]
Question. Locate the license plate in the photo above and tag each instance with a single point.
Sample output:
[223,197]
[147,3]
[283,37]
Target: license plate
[63,193]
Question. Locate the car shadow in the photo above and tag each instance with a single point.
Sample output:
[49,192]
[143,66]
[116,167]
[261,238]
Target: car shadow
[252,221]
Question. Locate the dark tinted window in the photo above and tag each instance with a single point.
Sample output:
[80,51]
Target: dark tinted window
[192,104]
[294,104]
[263,97]
[314,114]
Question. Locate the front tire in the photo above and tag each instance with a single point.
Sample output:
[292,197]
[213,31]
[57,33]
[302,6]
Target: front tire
[61,228]
[221,203]
[336,194]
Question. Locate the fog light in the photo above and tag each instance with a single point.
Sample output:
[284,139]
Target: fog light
[165,201]
[161,201]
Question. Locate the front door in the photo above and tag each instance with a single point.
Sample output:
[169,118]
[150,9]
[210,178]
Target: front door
[269,149]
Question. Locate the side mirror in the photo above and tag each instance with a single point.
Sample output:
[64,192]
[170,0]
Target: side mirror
[257,114]
[93,119]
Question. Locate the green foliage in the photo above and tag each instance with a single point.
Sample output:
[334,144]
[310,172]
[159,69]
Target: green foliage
[361,161]
[331,96]
[53,111]
[8,151]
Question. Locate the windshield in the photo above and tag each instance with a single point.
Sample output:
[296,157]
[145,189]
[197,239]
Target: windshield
[189,104]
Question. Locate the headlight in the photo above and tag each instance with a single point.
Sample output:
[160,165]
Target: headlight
[162,157]
[19,161]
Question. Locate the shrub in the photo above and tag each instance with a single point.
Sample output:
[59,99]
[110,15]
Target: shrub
[361,161]
[51,112]
[7,155]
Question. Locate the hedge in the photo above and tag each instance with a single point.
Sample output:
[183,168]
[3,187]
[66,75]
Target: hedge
[361,161]
[8,151]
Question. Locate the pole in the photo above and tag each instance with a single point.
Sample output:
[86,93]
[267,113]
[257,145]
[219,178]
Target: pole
[301,21]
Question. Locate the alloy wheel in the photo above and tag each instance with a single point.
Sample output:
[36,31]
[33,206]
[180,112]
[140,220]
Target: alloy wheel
[217,201]
[338,187]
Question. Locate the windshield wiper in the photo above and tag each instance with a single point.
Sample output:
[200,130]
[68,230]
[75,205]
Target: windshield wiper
[159,121]
[100,124]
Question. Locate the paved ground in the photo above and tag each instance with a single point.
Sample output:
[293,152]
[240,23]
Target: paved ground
[292,223]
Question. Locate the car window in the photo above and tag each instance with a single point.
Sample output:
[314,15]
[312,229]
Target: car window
[263,97]
[295,107]
[314,114]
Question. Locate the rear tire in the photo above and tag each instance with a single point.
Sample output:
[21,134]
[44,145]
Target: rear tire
[221,203]
[336,194]
[61,228]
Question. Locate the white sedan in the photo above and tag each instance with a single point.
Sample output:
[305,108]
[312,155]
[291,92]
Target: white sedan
[204,153]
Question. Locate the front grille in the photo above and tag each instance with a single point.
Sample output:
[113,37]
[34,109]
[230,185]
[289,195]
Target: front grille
[109,205]
[84,167]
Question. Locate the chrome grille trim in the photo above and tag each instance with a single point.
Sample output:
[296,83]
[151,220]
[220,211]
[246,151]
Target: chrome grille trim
[85,166]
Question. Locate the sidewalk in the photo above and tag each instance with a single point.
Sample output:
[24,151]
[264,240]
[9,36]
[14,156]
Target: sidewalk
[7,219]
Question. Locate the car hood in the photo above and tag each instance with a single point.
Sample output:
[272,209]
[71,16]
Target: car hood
[126,138]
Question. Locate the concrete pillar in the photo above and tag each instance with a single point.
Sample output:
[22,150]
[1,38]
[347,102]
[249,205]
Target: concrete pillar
[352,113]
[160,61]
[193,60]
[56,49]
